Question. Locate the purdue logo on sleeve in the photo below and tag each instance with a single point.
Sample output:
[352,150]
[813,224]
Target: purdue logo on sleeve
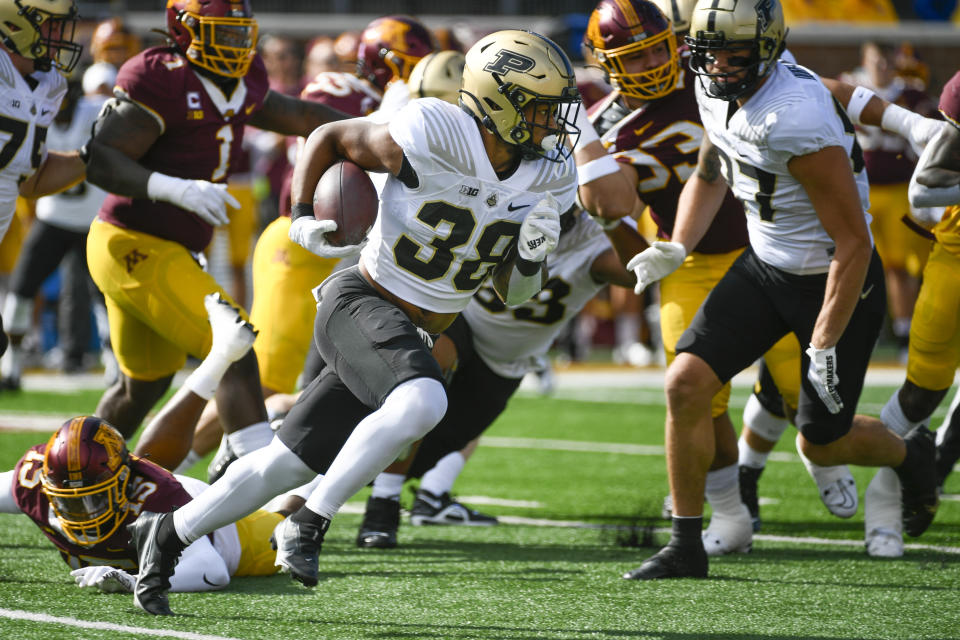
[507,60]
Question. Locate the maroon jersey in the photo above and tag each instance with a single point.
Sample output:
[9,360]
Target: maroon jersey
[201,139]
[150,488]
[950,100]
[661,140]
[338,90]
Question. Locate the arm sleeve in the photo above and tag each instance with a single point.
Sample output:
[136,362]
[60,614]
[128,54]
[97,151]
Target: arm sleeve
[7,503]
[200,568]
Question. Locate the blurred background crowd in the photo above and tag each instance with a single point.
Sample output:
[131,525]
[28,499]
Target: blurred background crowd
[909,47]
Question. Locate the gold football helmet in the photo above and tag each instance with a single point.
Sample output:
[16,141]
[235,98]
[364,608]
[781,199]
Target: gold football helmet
[85,474]
[508,73]
[678,11]
[753,27]
[42,30]
[437,75]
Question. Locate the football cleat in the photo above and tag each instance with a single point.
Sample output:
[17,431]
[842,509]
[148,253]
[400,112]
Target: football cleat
[918,480]
[728,534]
[672,562]
[749,479]
[298,547]
[442,509]
[224,457]
[381,519]
[156,564]
[840,496]
[884,543]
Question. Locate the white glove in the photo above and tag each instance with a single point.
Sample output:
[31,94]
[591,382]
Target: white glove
[232,335]
[822,374]
[206,199]
[655,262]
[540,230]
[310,234]
[105,579]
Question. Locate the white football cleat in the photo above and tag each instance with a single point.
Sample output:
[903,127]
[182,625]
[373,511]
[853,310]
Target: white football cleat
[728,534]
[838,489]
[885,543]
[232,335]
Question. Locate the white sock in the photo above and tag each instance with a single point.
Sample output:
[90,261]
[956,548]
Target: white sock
[892,416]
[750,457]
[188,462]
[627,329]
[388,485]
[823,476]
[205,379]
[250,438]
[723,492]
[881,503]
[246,485]
[408,413]
[440,479]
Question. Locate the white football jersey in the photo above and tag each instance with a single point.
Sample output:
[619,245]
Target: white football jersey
[792,114]
[512,341]
[75,208]
[26,114]
[433,245]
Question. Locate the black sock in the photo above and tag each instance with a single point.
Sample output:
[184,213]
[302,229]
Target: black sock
[311,517]
[167,538]
[686,532]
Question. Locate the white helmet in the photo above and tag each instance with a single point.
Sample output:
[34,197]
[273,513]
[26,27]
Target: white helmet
[437,75]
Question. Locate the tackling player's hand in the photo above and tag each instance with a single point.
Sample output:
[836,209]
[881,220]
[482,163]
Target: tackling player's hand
[540,230]
[105,579]
[206,199]
[311,234]
[656,262]
[822,374]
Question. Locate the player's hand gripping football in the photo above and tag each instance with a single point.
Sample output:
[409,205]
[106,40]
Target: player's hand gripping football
[206,199]
[311,234]
[105,579]
[822,374]
[540,230]
[656,262]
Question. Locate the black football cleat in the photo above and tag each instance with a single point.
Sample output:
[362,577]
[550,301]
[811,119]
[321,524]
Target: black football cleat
[298,547]
[672,562]
[156,564]
[918,481]
[381,519]
[749,479]
[443,509]
[224,457]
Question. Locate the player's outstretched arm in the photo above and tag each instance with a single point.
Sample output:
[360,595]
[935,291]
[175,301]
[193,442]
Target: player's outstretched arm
[292,116]
[607,188]
[59,171]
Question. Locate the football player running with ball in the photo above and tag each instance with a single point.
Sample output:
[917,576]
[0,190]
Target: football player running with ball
[471,190]
[778,138]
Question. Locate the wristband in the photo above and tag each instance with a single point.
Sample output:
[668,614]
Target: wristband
[606,225]
[597,168]
[861,96]
[300,210]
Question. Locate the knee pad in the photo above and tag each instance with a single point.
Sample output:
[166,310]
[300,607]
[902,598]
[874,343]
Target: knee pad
[762,422]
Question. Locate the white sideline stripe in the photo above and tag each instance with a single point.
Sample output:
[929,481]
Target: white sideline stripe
[106,626]
[573,524]
[501,442]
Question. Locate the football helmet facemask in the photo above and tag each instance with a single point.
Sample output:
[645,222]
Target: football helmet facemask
[85,475]
[510,75]
[678,12]
[437,75]
[621,29]
[42,30]
[112,42]
[752,29]
[217,35]
[390,47]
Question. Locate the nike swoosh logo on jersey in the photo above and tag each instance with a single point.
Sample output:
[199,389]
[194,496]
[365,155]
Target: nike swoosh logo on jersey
[866,292]
[44,112]
[510,206]
[212,584]
[250,109]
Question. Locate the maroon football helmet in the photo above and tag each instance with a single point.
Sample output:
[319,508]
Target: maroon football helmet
[217,35]
[390,47]
[85,474]
[619,29]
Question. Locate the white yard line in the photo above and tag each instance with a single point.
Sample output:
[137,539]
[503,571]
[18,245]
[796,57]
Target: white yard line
[106,626]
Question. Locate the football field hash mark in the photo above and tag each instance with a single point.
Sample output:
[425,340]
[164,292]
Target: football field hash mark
[106,626]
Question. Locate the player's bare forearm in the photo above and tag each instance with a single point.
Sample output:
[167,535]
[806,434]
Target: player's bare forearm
[610,196]
[827,178]
[292,116]
[872,113]
[360,141]
[59,171]
[627,242]
[700,198]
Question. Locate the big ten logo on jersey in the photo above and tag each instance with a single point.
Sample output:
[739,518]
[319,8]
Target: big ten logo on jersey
[507,60]
[469,191]
[194,111]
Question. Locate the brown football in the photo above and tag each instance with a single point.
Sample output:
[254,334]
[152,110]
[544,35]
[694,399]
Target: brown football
[346,195]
